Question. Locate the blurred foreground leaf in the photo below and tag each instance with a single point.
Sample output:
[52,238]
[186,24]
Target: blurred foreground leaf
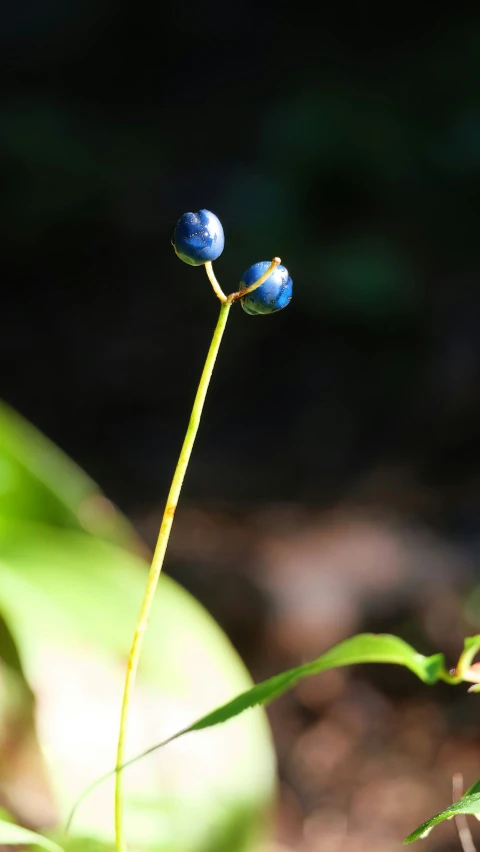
[40,483]
[15,835]
[82,844]
[69,600]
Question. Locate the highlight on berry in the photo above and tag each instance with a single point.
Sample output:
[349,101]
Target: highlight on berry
[198,237]
[274,294]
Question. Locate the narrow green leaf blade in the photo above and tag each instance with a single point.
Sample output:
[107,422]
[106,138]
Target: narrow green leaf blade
[364,648]
[466,805]
[15,835]
[379,648]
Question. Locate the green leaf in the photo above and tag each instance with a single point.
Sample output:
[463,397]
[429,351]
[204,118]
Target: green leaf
[82,844]
[72,581]
[469,804]
[471,647]
[364,648]
[39,482]
[5,816]
[475,788]
[15,835]
[65,590]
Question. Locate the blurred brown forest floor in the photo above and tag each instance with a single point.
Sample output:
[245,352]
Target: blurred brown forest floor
[368,753]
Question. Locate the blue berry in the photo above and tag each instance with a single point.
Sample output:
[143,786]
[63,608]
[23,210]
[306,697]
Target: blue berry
[198,237]
[274,294]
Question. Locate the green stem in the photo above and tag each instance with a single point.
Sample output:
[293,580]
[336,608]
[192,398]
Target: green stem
[157,562]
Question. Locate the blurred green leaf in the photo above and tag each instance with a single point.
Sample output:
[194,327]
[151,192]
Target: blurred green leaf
[61,588]
[5,816]
[40,483]
[82,844]
[15,835]
[471,647]
[69,599]
[469,804]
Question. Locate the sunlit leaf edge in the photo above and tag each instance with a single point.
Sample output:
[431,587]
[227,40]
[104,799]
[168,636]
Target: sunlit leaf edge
[469,804]
[475,788]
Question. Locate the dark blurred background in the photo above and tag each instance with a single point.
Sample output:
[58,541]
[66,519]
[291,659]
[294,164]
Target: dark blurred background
[342,431]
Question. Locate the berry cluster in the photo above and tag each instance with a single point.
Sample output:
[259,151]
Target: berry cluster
[198,239]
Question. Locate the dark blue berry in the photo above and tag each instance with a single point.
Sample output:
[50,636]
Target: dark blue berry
[274,294]
[198,237]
